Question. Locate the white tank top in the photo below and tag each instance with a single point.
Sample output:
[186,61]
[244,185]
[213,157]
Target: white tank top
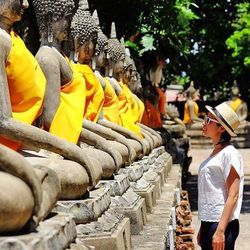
[212,192]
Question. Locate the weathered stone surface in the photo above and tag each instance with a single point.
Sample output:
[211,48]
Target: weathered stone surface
[125,201]
[154,234]
[87,210]
[117,239]
[56,232]
[14,192]
[134,172]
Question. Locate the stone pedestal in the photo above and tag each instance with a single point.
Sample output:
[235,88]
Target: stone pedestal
[243,136]
[125,201]
[89,209]
[149,195]
[109,232]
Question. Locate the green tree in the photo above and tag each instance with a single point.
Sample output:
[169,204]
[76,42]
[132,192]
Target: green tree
[239,41]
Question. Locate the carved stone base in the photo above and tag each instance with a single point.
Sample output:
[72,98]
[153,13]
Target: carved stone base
[125,201]
[137,215]
[118,237]
[150,197]
[89,209]
[156,181]
[56,232]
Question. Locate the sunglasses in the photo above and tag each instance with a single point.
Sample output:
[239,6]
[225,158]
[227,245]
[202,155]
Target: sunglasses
[207,120]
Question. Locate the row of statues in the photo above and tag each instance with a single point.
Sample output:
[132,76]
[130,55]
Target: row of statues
[70,124]
[191,110]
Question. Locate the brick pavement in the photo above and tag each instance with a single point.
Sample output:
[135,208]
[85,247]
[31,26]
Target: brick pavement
[198,155]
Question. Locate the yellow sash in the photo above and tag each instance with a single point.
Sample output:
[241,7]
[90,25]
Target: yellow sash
[94,93]
[128,117]
[67,123]
[111,103]
[187,118]
[236,103]
[26,83]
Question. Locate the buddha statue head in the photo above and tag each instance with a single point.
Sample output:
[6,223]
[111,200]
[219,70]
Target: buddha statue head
[128,68]
[83,33]
[191,91]
[235,91]
[53,18]
[102,43]
[11,11]
[116,53]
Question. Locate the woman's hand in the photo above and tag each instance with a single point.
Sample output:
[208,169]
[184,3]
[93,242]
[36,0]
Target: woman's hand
[218,240]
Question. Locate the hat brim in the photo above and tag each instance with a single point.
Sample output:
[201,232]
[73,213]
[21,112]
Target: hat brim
[210,109]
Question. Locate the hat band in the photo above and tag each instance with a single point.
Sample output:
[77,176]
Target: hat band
[221,117]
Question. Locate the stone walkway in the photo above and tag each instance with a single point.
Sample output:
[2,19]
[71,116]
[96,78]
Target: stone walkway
[198,155]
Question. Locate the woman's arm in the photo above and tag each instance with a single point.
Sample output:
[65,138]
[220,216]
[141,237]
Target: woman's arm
[232,184]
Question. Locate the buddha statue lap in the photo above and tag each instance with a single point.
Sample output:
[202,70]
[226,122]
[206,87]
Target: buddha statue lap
[36,187]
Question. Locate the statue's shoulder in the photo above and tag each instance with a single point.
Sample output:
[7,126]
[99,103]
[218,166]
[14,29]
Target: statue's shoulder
[101,79]
[190,102]
[47,58]
[5,44]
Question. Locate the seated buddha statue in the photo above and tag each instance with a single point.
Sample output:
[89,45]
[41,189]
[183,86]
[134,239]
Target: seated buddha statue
[237,104]
[191,109]
[114,70]
[22,88]
[81,32]
[129,78]
[64,104]
[110,108]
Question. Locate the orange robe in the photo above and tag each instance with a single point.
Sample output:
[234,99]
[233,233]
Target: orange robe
[162,100]
[151,116]
[94,93]
[26,83]
[67,123]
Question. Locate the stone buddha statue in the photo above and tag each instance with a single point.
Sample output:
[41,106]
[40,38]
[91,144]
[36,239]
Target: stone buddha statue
[237,104]
[64,99]
[36,188]
[137,106]
[114,71]
[191,109]
[81,33]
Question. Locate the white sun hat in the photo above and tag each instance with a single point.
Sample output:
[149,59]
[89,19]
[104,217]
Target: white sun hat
[226,116]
